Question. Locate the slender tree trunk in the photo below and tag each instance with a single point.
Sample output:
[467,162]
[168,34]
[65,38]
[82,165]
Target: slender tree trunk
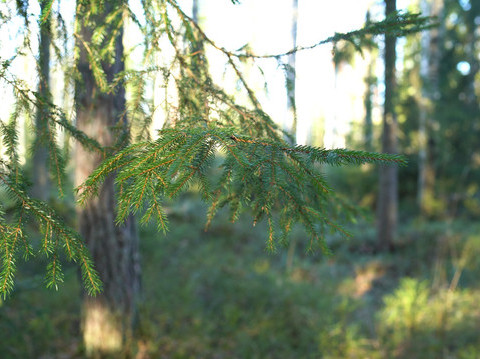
[429,74]
[388,181]
[41,181]
[423,116]
[291,75]
[107,318]
[197,48]
[370,82]
[195,11]
[292,111]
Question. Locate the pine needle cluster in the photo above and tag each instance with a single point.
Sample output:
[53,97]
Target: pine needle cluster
[56,237]
[265,178]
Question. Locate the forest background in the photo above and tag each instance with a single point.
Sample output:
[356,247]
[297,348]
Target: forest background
[402,285]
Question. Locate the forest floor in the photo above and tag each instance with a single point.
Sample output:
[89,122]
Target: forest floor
[220,294]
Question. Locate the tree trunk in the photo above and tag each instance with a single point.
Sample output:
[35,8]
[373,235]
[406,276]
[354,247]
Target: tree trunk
[291,75]
[388,181]
[41,181]
[195,11]
[292,110]
[429,75]
[370,82]
[423,116]
[107,318]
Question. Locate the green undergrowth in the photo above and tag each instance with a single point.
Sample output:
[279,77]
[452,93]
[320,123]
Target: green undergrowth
[221,294]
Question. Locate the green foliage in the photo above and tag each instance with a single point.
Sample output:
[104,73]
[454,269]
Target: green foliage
[46,6]
[55,232]
[22,208]
[19,208]
[56,236]
[403,308]
[416,320]
[271,179]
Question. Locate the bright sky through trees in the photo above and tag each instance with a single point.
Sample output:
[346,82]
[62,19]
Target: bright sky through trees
[265,25]
[329,103]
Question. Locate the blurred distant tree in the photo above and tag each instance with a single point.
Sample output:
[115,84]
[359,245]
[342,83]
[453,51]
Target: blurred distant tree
[291,78]
[371,82]
[291,75]
[429,66]
[41,180]
[195,11]
[344,54]
[387,207]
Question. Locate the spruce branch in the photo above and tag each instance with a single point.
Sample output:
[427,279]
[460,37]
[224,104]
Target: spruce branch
[26,98]
[55,234]
[268,178]
[46,11]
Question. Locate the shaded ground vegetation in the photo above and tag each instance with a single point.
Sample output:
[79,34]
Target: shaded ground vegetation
[220,294]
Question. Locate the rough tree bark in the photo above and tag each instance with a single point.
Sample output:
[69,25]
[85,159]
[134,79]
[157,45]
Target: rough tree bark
[107,318]
[388,181]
